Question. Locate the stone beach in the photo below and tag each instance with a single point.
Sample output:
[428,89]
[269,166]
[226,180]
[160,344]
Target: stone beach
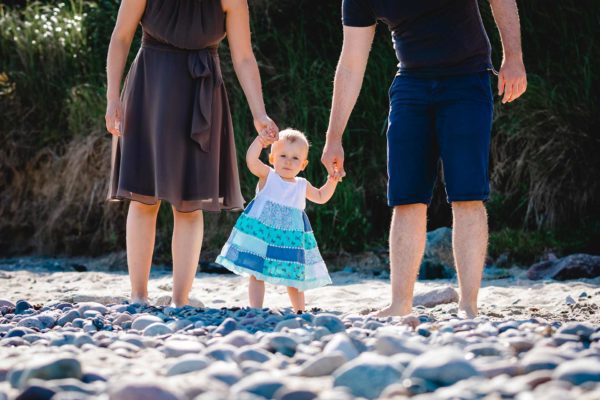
[72,335]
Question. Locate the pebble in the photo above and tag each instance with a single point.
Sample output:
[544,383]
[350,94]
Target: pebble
[139,391]
[331,322]
[157,329]
[260,384]
[441,367]
[143,321]
[151,352]
[367,376]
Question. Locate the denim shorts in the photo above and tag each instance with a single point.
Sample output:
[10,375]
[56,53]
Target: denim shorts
[446,119]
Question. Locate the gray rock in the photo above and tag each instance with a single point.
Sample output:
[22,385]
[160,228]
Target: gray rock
[322,364]
[253,354]
[143,321]
[367,376]
[579,371]
[388,345]
[486,349]
[32,323]
[36,392]
[221,352]
[226,372]
[281,343]
[575,266]
[6,303]
[438,261]
[226,327]
[582,329]
[292,323]
[139,391]
[69,316]
[92,306]
[187,364]
[46,369]
[569,300]
[537,360]
[436,296]
[441,367]
[331,322]
[340,343]
[178,348]
[122,318]
[239,339]
[22,306]
[261,384]
[157,329]
[295,394]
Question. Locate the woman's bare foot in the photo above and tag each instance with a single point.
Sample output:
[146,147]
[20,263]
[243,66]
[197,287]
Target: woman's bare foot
[391,311]
[466,311]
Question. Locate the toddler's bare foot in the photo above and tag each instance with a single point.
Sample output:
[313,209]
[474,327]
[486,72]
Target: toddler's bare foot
[143,301]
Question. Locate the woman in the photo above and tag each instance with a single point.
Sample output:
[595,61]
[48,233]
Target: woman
[172,131]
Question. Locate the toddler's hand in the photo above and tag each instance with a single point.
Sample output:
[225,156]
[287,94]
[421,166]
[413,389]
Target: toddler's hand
[336,179]
[265,139]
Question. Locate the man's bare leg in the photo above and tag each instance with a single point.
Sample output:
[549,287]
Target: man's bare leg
[469,241]
[407,244]
[140,237]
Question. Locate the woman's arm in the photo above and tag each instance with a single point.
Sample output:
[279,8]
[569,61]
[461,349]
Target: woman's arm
[244,63]
[255,165]
[130,13]
[324,193]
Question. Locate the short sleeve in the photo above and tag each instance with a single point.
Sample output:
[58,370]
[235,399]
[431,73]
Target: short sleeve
[358,13]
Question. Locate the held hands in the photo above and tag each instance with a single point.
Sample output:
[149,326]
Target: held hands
[333,159]
[267,129]
[512,80]
[114,117]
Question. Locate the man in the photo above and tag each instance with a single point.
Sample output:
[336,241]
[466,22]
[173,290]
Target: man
[440,109]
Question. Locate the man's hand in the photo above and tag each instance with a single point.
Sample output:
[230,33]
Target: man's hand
[512,80]
[333,159]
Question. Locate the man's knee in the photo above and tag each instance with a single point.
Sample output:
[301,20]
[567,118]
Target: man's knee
[415,208]
[475,205]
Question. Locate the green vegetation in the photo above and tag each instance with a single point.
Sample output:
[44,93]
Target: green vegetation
[54,153]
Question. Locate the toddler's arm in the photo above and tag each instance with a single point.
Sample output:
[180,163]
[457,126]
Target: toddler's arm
[255,165]
[324,193]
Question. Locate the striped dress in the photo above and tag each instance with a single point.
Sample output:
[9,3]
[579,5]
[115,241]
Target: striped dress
[273,240]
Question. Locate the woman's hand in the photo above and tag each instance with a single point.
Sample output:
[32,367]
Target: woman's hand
[266,127]
[114,117]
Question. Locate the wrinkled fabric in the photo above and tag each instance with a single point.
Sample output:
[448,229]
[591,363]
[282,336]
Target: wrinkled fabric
[177,142]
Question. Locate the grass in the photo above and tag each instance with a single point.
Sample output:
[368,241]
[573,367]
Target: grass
[54,152]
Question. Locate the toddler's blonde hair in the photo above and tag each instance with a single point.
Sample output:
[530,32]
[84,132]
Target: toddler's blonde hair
[293,135]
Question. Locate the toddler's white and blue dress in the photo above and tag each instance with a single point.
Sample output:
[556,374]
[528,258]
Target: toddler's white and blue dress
[273,239]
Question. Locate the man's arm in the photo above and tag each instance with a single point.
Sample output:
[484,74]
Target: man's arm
[346,87]
[512,79]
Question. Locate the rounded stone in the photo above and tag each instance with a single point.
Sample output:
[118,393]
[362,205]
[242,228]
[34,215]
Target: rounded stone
[367,376]
[157,329]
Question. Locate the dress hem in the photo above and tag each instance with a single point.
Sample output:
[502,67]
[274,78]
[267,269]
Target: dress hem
[302,286]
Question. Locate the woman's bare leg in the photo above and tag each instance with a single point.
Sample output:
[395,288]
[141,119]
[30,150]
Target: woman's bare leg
[188,231]
[297,298]
[256,292]
[140,237]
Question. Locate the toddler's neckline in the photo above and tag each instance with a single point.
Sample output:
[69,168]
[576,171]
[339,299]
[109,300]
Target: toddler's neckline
[295,182]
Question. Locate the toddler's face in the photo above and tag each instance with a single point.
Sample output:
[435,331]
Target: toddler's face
[288,158]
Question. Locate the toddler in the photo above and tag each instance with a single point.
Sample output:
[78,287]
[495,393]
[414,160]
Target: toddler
[273,241]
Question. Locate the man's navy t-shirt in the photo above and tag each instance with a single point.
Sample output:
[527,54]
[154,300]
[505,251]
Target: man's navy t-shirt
[431,37]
